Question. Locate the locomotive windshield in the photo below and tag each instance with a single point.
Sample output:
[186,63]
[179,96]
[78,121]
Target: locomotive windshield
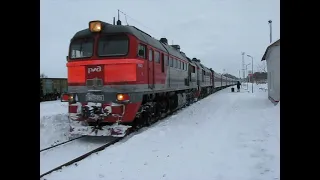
[81,48]
[113,45]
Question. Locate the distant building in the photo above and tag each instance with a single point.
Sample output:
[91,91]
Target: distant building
[272,56]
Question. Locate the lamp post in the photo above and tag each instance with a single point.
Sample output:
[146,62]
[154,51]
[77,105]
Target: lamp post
[252,71]
[246,73]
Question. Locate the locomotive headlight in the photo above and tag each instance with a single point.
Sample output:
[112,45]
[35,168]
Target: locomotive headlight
[123,97]
[71,98]
[68,98]
[95,26]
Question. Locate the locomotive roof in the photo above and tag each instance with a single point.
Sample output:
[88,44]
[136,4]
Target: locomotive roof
[216,74]
[201,66]
[205,68]
[187,58]
[142,36]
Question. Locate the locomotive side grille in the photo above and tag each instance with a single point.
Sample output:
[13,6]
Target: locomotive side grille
[94,82]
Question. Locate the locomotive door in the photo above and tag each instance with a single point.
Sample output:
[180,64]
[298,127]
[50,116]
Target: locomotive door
[150,69]
[163,74]
[189,73]
[213,80]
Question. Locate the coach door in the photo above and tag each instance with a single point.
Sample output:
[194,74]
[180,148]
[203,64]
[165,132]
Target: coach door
[151,69]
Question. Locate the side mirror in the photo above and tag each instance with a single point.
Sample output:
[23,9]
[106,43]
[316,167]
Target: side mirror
[67,58]
[141,53]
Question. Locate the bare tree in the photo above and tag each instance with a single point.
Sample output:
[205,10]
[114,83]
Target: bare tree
[262,67]
[42,75]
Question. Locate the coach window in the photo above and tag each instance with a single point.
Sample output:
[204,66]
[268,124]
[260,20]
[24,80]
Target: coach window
[150,54]
[157,56]
[142,51]
[180,64]
[171,62]
[176,63]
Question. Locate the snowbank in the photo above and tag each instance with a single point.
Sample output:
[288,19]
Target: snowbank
[54,125]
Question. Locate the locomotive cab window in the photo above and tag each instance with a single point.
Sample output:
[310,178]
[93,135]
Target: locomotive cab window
[81,48]
[113,45]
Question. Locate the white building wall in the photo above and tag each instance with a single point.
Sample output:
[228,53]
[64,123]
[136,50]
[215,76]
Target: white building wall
[273,67]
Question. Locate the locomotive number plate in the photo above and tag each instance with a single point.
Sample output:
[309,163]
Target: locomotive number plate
[94,97]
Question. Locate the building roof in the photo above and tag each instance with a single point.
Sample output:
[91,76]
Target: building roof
[277,43]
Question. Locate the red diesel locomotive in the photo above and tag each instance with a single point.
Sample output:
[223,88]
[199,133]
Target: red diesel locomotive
[119,77]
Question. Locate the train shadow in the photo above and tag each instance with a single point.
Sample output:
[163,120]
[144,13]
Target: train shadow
[97,139]
[142,130]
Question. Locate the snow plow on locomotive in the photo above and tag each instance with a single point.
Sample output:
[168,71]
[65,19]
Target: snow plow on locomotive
[121,78]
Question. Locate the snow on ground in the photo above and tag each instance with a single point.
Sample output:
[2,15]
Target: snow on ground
[54,125]
[226,136]
[57,156]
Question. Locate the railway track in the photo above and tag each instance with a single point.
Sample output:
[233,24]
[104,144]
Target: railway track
[79,158]
[45,149]
[100,148]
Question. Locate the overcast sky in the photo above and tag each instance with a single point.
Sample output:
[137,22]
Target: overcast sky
[214,31]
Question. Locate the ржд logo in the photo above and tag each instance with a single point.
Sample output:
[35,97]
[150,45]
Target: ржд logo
[94,69]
